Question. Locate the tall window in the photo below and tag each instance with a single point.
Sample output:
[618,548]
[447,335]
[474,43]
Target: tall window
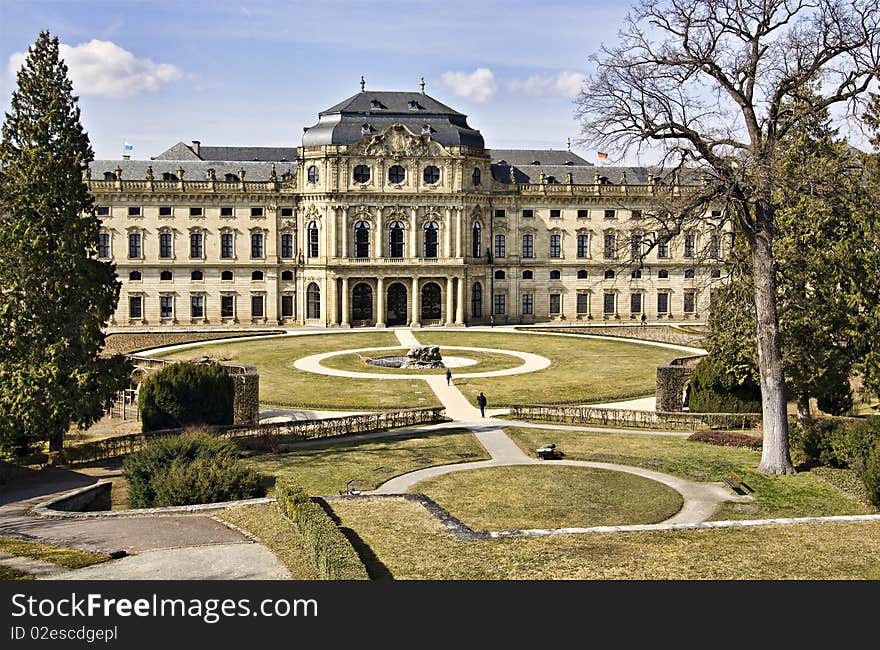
[555,303]
[227,306]
[313,301]
[500,246]
[610,249]
[635,303]
[257,303]
[477,300]
[609,303]
[197,306]
[165,239]
[287,306]
[313,174]
[227,245]
[689,244]
[528,246]
[663,248]
[361,239]
[396,238]
[286,245]
[135,307]
[104,246]
[662,302]
[715,247]
[583,303]
[476,176]
[635,246]
[477,247]
[313,239]
[528,305]
[555,245]
[583,245]
[196,248]
[256,245]
[689,302]
[500,305]
[432,236]
[166,306]
[134,245]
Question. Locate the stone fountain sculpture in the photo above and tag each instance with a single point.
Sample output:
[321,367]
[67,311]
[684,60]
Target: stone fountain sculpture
[426,356]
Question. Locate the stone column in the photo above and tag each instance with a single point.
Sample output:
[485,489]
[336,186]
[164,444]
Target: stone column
[459,308]
[344,317]
[378,252]
[447,235]
[458,232]
[380,302]
[449,306]
[416,307]
[344,232]
[413,251]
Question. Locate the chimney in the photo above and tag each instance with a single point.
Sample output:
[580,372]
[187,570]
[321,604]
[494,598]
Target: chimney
[196,147]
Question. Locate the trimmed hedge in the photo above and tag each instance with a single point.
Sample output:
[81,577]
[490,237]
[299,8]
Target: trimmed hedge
[184,394]
[713,392]
[188,469]
[726,438]
[332,553]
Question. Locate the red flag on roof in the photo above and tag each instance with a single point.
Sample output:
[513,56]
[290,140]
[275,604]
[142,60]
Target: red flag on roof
[601,156]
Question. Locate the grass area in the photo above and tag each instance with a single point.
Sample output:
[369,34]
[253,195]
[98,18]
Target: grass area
[66,557]
[369,463]
[581,371]
[413,545]
[282,384]
[798,495]
[278,534]
[486,361]
[513,498]
[134,342]
[8,573]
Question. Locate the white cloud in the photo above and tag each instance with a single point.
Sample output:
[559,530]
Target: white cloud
[565,84]
[477,86]
[103,68]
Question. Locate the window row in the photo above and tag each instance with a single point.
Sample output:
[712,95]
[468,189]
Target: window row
[396,174]
[608,274]
[199,276]
[197,306]
[609,303]
[582,213]
[192,211]
[395,246]
[135,241]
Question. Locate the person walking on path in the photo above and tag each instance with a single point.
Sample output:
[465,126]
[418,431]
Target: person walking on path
[448,377]
[481,401]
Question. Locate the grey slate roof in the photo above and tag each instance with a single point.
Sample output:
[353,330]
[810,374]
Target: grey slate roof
[194,170]
[521,157]
[581,174]
[182,151]
[345,123]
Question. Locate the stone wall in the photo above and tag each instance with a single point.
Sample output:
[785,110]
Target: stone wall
[672,378]
[660,334]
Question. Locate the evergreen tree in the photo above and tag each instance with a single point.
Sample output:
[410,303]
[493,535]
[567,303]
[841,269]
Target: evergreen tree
[55,296]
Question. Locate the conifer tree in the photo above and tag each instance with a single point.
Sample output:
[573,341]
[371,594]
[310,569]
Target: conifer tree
[55,296]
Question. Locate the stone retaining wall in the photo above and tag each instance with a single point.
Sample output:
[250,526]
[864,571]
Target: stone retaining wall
[672,379]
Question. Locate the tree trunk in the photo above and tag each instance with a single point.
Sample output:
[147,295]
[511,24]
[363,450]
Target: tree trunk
[775,457]
[56,442]
[803,408]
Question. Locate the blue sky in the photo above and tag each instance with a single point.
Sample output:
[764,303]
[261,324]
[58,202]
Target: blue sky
[256,72]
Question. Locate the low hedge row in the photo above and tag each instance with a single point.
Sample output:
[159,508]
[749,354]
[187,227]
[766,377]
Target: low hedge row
[332,553]
[726,438]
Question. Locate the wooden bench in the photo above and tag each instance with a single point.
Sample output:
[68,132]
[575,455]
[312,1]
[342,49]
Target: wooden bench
[735,483]
[548,452]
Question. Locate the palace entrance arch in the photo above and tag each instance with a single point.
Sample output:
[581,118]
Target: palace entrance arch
[396,305]
[431,308]
[362,303]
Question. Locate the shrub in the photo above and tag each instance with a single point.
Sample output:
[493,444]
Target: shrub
[188,469]
[726,438]
[814,440]
[871,476]
[855,440]
[714,392]
[184,394]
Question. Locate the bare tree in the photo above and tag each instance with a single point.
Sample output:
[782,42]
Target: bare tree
[713,84]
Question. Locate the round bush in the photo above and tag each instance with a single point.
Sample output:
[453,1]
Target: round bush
[184,394]
[714,392]
[871,476]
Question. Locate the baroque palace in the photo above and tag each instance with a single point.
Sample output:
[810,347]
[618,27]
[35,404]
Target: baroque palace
[392,212]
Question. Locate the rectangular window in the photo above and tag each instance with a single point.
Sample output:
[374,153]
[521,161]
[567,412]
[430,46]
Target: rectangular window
[166,306]
[102,211]
[313,242]
[689,244]
[256,212]
[555,214]
[528,246]
[610,249]
[287,306]
[635,303]
[555,303]
[257,306]
[134,245]
[256,245]
[197,306]
[196,212]
[716,214]
[135,307]
[227,306]
[689,302]
[635,245]
[286,212]
[528,306]
[583,245]
[196,249]
[165,211]
[715,247]
[165,239]
[662,302]
[663,248]
[555,245]
[500,213]
[609,303]
[500,304]
[227,249]
[528,214]
[287,245]
[500,246]
[583,214]
[104,246]
[134,211]
[583,303]
[226,212]
[610,214]
[636,214]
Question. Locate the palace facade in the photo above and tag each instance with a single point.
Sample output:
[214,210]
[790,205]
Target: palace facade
[391,212]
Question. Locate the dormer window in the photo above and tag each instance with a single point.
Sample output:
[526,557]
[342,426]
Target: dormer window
[535,162]
[427,130]
[168,176]
[414,105]
[569,163]
[230,178]
[365,129]
[109,176]
[376,105]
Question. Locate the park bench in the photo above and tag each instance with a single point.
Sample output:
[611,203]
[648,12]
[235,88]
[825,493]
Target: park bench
[735,483]
[548,452]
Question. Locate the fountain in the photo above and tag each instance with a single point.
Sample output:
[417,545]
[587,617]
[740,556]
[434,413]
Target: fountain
[425,356]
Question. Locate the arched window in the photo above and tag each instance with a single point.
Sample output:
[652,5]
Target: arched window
[477,300]
[663,274]
[109,176]
[287,276]
[226,275]
[688,274]
[609,274]
[168,176]
[528,275]
[257,275]
[361,174]
[395,239]
[362,302]
[313,238]
[134,276]
[432,236]
[231,178]
[313,174]
[476,177]
[196,276]
[166,276]
[396,174]
[582,274]
[431,174]
[477,248]
[500,275]
[313,301]
[361,239]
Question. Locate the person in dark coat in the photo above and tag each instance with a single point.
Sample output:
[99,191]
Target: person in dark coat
[448,376]
[481,401]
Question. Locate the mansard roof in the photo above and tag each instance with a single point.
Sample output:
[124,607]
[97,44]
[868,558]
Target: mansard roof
[521,157]
[182,151]
[194,170]
[581,174]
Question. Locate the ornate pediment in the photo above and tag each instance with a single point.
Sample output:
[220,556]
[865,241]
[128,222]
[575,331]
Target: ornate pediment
[397,141]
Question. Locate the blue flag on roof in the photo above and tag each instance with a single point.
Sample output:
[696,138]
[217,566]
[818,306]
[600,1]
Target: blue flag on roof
[126,146]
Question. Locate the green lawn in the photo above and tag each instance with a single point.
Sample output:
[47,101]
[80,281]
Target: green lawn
[327,470]
[512,498]
[798,495]
[486,361]
[413,545]
[282,384]
[65,557]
